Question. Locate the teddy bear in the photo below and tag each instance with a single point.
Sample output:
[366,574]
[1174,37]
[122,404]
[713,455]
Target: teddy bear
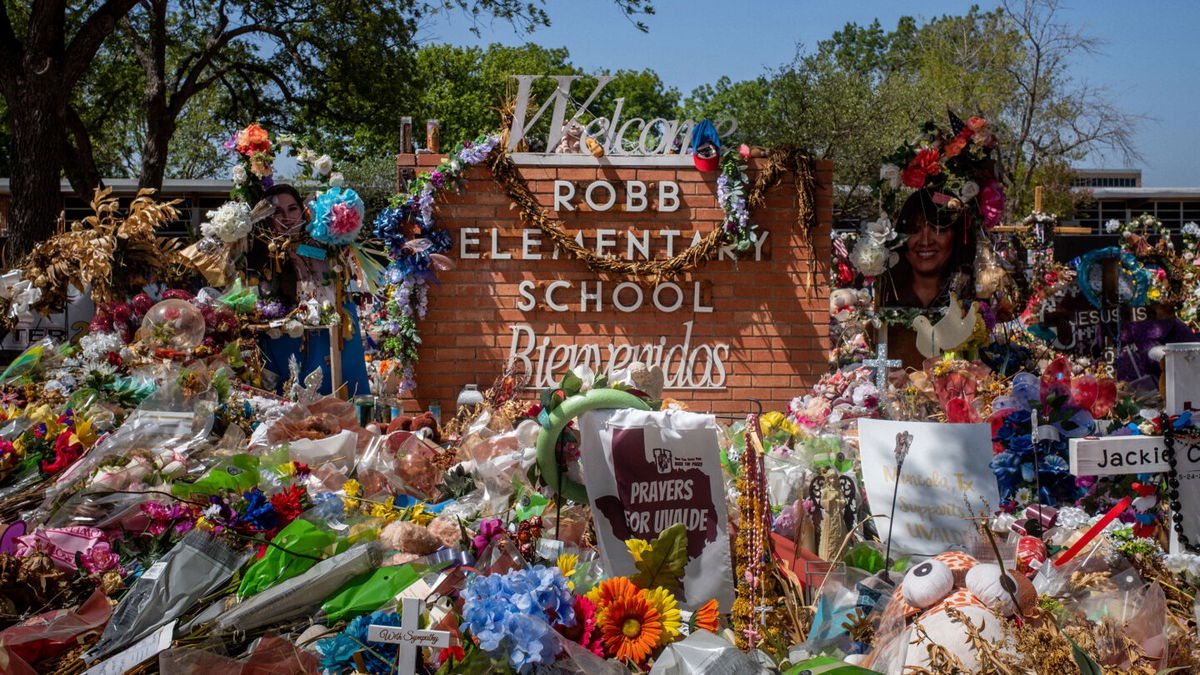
[414,424]
[844,302]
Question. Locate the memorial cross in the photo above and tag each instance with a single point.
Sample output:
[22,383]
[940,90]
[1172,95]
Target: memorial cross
[408,636]
[880,365]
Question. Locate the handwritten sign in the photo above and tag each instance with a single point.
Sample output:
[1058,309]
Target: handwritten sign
[408,636]
[946,469]
[1113,455]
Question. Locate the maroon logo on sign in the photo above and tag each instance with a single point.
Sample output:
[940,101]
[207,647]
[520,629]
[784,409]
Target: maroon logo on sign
[653,495]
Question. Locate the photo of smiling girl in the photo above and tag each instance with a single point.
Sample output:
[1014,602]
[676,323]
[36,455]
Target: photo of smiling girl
[935,260]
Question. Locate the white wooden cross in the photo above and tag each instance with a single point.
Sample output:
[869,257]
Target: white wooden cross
[408,636]
[880,365]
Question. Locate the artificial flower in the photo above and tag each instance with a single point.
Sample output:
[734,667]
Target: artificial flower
[923,165]
[891,174]
[566,564]
[253,139]
[991,203]
[228,223]
[708,617]
[637,548]
[337,216]
[323,165]
[631,627]
[668,612]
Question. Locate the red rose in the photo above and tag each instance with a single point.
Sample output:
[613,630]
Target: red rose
[977,124]
[922,166]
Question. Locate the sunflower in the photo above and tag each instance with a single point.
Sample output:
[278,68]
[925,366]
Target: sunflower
[668,610]
[631,627]
[708,617]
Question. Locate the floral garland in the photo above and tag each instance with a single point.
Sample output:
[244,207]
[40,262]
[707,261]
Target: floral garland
[393,319]
[1189,306]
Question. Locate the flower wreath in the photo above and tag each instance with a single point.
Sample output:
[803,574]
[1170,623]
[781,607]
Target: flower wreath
[1133,282]
[957,165]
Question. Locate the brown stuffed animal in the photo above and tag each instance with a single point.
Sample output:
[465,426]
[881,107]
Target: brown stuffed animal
[423,421]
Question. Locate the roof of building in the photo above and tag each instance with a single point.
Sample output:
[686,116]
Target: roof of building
[1146,193]
[129,186]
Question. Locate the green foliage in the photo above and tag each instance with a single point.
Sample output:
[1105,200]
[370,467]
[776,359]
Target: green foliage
[663,563]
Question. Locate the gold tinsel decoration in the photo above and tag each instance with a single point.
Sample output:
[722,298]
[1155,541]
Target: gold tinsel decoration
[780,161]
[113,251]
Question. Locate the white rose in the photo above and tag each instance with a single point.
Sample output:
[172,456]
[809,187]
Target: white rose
[890,173]
[969,191]
[880,232]
[870,258]
[238,174]
[336,179]
[323,165]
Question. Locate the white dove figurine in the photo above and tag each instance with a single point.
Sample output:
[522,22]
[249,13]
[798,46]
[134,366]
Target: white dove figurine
[948,333]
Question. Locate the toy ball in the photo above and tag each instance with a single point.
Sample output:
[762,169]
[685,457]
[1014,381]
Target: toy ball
[172,324]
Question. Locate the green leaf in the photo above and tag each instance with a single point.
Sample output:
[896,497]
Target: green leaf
[571,384]
[1086,664]
[601,382]
[663,564]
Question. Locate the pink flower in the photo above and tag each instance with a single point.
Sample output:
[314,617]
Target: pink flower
[991,204]
[488,530]
[100,559]
[346,220]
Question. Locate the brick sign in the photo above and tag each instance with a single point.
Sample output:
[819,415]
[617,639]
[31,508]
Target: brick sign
[754,327]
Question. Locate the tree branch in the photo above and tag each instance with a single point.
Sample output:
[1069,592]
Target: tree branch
[83,47]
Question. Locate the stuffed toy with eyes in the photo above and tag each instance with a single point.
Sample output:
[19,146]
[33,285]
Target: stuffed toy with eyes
[959,581]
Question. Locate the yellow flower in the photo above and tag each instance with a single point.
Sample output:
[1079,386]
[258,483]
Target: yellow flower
[668,610]
[351,488]
[637,548]
[387,510]
[418,513]
[566,564]
[288,468]
[84,433]
[775,421]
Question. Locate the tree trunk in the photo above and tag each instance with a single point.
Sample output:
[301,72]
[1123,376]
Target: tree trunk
[79,160]
[36,140]
[161,127]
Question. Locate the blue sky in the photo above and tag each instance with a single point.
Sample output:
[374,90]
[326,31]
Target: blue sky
[1149,61]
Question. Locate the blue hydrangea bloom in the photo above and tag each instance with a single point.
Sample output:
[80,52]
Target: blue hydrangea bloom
[512,614]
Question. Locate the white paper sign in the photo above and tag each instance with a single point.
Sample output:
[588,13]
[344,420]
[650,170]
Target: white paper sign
[946,469]
[142,650]
[646,471]
[1183,377]
[1112,455]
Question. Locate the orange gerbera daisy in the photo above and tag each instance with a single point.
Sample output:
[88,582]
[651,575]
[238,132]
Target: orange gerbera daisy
[708,617]
[631,627]
[604,593]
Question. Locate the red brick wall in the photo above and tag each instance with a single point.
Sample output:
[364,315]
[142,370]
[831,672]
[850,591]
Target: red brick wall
[772,313]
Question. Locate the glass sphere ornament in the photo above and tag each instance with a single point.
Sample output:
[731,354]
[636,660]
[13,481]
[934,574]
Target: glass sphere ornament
[172,324]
